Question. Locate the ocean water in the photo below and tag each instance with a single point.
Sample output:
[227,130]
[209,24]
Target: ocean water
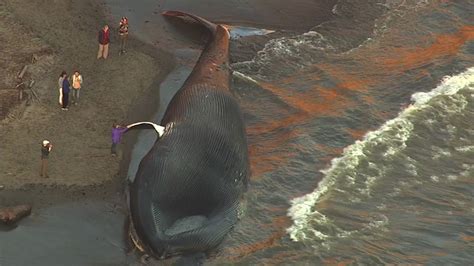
[362,143]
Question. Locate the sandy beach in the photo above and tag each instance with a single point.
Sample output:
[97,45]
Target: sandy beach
[81,135]
[117,89]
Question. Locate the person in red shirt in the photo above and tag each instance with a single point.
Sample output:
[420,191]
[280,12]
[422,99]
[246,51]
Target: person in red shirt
[104,40]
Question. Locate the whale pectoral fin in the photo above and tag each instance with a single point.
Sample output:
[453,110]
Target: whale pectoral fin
[159,129]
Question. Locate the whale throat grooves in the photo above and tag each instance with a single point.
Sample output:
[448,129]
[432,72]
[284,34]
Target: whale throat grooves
[186,194]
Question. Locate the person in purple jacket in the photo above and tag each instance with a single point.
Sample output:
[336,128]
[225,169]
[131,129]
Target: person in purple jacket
[65,90]
[117,132]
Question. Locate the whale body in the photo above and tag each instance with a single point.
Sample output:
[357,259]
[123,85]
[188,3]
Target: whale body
[186,194]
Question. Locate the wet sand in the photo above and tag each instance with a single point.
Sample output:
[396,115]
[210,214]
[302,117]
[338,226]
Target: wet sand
[270,14]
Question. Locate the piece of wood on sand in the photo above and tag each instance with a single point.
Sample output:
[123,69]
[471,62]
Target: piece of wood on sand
[12,215]
[22,72]
[32,82]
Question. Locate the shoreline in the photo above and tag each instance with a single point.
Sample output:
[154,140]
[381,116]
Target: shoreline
[101,184]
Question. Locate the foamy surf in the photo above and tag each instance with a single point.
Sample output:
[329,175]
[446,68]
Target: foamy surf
[392,138]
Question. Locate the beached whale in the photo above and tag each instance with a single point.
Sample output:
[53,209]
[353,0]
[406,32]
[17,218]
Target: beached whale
[186,194]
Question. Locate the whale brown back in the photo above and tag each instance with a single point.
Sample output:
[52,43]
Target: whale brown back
[187,190]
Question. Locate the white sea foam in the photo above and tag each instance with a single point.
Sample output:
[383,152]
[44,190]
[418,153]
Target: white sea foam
[452,177]
[295,51]
[396,131]
[468,171]
[448,86]
[244,77]
[238,32]
[469,148]
[440,153]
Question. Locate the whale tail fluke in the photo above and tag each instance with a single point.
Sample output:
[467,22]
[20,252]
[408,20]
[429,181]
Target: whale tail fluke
[209,25]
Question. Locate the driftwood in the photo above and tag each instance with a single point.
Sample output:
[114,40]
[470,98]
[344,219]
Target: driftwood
[22,72]
[34,94]
[12,215]
[20,85]
[20,88]
[30,86]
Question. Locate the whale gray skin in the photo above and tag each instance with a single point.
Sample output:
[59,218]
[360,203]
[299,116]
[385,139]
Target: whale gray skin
[186,194]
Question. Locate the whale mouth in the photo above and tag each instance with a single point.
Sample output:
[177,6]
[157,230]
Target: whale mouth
[186,224]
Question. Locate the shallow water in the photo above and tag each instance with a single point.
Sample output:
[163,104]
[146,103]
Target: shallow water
[78,233]
[340,173]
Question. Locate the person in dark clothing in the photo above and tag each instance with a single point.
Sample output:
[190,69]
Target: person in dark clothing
[60,85]
[117,131]
[123,34]
[65,90]
[104,40]
[45,150]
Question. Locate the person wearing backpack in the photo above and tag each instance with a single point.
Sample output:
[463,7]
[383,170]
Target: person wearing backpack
[123,34]
[76,86]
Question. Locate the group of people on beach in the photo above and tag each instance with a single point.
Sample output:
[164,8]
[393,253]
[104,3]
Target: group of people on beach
[75,81]
[104,38]
[68,84]
[65,88]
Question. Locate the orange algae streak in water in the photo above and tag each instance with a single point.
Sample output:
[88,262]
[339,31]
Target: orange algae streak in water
[267,156]
[443,45]
[268,163]
[356,134]
[347,79]
[308,102]
[279,222]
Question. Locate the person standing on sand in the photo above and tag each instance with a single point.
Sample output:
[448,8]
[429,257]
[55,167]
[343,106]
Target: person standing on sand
[76,86]
[123,34]
[117,132]
[45,150]
[65,92]
[104,40]
[60,84]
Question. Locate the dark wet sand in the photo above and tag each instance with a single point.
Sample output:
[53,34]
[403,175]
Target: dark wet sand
[150,27]
[270,14]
